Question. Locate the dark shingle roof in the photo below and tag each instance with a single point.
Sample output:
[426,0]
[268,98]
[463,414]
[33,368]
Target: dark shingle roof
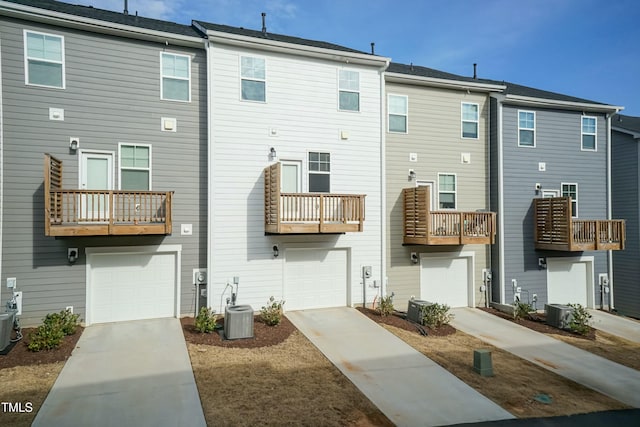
[113,17]
[416,70]
[275,37]
[626,122]
[516,89]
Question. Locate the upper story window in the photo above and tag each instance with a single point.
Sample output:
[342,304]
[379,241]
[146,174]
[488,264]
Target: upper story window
[349,90]
[526,128]
[589,128]
[135,167]
[571,190]
[447,191]
[44,59]
[253,79]
[470,118]
[319,172]
[176,80]
[398,113]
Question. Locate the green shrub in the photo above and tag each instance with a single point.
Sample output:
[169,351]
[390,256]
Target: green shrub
[436,315]
[521,310]
[579,322]
[271,314]
[386,305]
[206,320]
[55,326]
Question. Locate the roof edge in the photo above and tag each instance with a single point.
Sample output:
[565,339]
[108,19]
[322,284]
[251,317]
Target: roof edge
[568,105]
[634,134]
[446,83]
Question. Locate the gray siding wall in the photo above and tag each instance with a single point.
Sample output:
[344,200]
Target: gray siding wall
[112,95]
[626,205]
[558,145]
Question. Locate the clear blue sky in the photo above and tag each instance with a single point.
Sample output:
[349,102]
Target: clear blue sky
[584,48]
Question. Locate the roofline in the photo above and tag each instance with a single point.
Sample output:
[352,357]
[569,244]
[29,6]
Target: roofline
[564,105]
[634,134]
[46,16]
[444,83]
[286,47]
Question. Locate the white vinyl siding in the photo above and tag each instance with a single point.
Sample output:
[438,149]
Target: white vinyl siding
[319,172]
[349,90]
[176,77]
[134,167]
[398,106]
[253,79]
[589,131]
[447,191]
[526,128]
[571,190]
[470,115]
[44,59]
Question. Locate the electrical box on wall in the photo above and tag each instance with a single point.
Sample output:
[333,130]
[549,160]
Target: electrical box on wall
[366,271]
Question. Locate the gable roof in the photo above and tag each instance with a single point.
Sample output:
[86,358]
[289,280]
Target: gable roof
[627,124]
[108,16]
[432,77]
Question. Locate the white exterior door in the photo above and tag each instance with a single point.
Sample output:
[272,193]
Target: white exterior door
[291,176]
[447,280]
[96,173]
[570,280]
[315,278]
[131,286]
[432,194]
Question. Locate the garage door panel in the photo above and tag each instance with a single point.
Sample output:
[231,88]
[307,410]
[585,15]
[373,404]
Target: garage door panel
[567,281]
[445,281]
[132,286]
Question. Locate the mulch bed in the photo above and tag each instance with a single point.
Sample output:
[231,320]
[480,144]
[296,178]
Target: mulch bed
[263,334]
[399,320]
[20,355]
[537,323]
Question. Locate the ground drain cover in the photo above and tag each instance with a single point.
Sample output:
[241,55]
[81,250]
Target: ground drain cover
[543,398]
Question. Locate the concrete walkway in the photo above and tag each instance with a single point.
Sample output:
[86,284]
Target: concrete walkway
[616,325]
[409,388]
[126,374]
[609,378]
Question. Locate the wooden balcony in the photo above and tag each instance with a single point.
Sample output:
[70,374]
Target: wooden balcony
[309,213]
[425,227]
[101,212]
[556,230]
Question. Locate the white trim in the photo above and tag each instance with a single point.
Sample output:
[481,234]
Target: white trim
[1,159]
[455,192]
[589,260]
[383,190]
[121,250]
[299,164]
[436,82]
[609,213]
[569,105]
[210,177]
[309,172]
[583,133]
[432,191]
[476,121]
[406,115]
[534,130]
[358,91]
[26,59]
[162,76]
[120,144]
[551,193]
[501,270]
[562,184]
[471,268]
[252,79]
[83,151]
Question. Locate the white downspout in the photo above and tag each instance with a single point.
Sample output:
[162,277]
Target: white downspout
[383,189]
[501,201]
[1,159]
[210,180]
[609,213]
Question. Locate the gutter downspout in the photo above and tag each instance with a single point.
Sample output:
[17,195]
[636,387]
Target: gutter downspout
[383,181]
[1,160]
[609,213]
[500,201]
[210,180]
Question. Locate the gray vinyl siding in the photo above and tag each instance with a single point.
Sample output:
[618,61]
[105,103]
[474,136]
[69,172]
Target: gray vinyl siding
[626,205]
[558,145]
[112,95]
[434,134]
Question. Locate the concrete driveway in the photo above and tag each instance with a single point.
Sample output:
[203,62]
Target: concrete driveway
[616,325]
[126,374]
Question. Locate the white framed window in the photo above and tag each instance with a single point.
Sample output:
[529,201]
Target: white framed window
[589,131]
[398,106]
[319,172]
[470,119]
[44,59]
[570,189]
[176,77]
[526,128]
[447,191]
[348,90]
[134,166]
[253,84]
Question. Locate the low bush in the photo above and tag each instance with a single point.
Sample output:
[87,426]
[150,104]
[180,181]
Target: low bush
[521,310]
[55,326]
[206,320]
[580,317]
[271,314]
[436,315]
[386,305]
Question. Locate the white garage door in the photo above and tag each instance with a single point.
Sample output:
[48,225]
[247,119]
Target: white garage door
[131,286]
[568,281]
[445,280]
[315,279]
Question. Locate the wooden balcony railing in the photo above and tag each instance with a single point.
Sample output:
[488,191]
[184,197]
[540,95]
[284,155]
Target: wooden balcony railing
[102,212]
[556,230]
[425,227]
[309,213]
